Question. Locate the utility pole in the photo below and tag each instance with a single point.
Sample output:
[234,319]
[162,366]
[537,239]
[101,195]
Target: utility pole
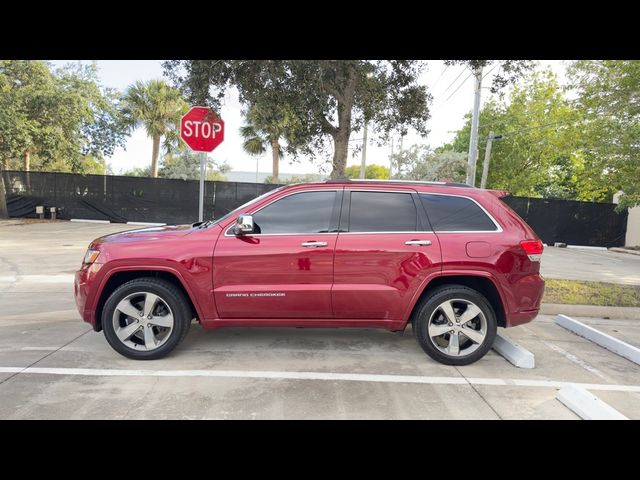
[487,158]
[363,165]
[475,119]
[391,160]
[485,165]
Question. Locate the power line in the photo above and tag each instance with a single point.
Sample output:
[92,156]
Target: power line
[458,87]
[440,77]
[456,79]
[494,67]
[453,93]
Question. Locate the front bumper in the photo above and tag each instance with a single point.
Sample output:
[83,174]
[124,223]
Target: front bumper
[84,286]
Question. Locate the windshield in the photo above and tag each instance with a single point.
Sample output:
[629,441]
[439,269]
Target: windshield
[243,206]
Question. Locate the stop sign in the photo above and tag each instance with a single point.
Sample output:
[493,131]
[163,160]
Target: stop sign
[202,129]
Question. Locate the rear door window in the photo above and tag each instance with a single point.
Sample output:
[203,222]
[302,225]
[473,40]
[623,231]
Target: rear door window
[382,212]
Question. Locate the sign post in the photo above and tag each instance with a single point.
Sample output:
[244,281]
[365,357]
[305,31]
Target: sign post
[202,130]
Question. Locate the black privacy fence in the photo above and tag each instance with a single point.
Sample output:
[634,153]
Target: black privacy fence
[572,222]
[123,199]
[161,200]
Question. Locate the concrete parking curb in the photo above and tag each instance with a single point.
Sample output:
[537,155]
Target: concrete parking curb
[615,345]
[586,405]
[624,250]
[513,352]
[626,313]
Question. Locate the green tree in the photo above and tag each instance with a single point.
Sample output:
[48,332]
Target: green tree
[56,116]
[137,172]
[419,162]
[509,72]
[266,125]
[306,178]
[60,120]
[609,96]
[373,171]
[157,107]
[327,99]
[185,165]
[541,152]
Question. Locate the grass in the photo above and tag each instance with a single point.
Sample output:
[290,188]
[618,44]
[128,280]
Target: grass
[577,292]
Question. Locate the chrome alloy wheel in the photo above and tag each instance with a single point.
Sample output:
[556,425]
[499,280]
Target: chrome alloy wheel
[457,327]
[143,321]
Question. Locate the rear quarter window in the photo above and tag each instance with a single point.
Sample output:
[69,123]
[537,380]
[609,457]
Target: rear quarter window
[456,214]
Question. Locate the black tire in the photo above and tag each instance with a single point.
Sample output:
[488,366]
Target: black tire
[170,294]
[430,303]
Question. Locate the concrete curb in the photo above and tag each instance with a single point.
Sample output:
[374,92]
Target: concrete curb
[586,247]
[586,405]
[626,313]
[613,344]
[513,352]
[85,220]
[624,250]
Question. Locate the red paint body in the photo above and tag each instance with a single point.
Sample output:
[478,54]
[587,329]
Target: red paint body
[357,280]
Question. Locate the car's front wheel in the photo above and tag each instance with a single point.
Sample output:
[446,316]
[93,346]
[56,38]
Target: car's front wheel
[146,318]
[455,325]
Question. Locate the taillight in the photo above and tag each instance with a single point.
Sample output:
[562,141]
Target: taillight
[533,249]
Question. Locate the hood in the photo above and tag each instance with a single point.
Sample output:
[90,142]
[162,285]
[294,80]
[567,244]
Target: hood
[147,234]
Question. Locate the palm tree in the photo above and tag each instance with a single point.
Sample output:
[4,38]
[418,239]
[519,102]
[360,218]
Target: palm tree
[265,127]
[157,107]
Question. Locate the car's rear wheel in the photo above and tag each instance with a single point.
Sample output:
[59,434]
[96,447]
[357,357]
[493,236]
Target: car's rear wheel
[455,325]
[146,318]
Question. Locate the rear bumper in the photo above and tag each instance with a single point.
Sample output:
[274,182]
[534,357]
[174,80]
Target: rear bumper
[84,290]
[527,294]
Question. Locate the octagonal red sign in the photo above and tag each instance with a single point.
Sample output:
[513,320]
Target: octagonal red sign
[202,129]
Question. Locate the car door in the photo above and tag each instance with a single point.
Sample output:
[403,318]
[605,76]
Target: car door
[385,250]
[285,269]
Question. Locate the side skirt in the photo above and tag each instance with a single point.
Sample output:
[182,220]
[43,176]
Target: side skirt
[392,325]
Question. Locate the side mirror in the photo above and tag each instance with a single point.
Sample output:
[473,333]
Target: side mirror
[244,225]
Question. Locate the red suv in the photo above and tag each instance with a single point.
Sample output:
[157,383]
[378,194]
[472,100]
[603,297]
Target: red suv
[453,260]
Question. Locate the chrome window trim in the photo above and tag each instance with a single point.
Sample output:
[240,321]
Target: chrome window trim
[402,189]
[498,226]
[334,190]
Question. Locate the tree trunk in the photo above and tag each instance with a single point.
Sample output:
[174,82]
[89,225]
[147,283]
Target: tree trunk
[154,156]
[27,167]
[4,213]
[343,132]
[275,155]
[340,154]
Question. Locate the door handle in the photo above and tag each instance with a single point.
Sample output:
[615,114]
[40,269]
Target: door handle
[418,242]
[314,244]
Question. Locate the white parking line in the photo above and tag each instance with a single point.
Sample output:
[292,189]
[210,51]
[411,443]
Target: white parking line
[576,360]
[54,278]
[348,377]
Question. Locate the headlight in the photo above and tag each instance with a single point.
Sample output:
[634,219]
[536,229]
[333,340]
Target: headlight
[91,256]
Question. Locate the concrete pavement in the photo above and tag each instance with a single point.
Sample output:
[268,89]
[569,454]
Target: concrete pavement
[590,265]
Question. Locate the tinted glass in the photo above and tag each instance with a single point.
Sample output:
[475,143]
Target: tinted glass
[382,212]
[308,212]
[455,214]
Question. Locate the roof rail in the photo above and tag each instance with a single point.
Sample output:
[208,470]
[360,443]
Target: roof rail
[406,182]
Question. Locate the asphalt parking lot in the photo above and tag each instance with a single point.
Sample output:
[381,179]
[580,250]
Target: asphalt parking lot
[52,365]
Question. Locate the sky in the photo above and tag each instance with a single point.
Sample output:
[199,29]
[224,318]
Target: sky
[451,87]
